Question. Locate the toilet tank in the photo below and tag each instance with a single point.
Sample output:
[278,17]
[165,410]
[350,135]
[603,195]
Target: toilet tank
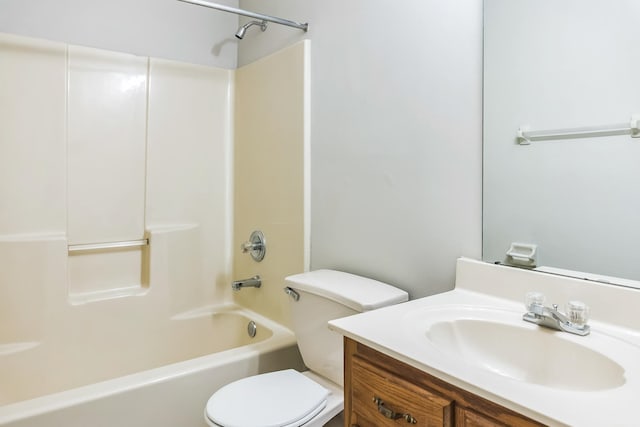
[326,295]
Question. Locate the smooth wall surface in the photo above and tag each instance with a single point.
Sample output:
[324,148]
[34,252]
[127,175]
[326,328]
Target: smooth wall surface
[396,92]
[106,145]
[271,156]
[33,165]
[189,188]
[160,28]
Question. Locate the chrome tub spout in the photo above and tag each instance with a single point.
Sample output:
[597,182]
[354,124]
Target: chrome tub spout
[253,282]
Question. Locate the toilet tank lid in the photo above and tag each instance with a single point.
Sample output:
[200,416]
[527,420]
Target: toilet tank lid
[356,292]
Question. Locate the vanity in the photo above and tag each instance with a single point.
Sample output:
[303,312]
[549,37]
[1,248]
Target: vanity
[382,391]
[467,358]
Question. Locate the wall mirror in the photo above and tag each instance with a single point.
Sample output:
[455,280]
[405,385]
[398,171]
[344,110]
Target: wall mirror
[570,67]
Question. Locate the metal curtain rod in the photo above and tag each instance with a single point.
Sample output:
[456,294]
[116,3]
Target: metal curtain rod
[301,26]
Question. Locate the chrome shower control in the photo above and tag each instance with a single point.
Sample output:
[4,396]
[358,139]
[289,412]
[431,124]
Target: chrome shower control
[256,246]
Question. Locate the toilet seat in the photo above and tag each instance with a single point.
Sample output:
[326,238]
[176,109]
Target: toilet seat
[276,399]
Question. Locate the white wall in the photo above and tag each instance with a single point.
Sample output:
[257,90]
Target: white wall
[395,133]
[160,28]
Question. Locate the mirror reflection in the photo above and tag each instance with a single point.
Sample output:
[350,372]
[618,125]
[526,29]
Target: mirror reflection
[575,199]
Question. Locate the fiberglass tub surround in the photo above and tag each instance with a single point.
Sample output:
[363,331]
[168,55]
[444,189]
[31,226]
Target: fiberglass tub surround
[474,337]
[90,156]
[117,231]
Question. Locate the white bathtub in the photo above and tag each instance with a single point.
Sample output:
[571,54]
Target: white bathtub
[165,380]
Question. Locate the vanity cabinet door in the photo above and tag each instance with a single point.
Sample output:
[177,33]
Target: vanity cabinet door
[468,418]
[380,399]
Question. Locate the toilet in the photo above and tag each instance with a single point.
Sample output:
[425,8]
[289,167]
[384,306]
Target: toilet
[312,398]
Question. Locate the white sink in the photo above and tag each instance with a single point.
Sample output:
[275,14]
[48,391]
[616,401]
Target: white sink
[538,356]
[500,342]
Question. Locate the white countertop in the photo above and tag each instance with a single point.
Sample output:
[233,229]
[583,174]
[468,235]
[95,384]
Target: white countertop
[400,332]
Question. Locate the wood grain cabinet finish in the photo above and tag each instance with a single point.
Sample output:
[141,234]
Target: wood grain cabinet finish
[381,391]
[383,399]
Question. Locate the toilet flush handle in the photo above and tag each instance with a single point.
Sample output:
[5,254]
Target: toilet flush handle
[292,293]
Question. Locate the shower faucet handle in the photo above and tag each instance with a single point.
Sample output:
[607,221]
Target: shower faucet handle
[256,246]
[250,246]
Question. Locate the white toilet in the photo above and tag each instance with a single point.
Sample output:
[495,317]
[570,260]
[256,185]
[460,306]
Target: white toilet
[289,398]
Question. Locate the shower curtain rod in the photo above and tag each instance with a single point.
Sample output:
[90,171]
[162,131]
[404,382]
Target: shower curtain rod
[274,19]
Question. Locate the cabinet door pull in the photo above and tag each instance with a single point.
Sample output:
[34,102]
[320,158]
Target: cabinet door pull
[391,414]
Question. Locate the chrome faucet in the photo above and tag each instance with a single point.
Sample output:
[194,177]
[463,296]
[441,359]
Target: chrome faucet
[253,282]
[574,322]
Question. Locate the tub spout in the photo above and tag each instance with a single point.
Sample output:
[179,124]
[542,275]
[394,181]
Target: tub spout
[253,282]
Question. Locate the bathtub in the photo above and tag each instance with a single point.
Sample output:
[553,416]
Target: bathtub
[164,380]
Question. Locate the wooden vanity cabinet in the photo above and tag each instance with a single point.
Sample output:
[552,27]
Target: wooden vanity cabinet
[381,391]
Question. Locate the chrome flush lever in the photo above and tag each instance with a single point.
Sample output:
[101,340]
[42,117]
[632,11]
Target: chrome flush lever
[292,293]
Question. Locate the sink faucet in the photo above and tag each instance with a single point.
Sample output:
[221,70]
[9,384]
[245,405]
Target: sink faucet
[253,282]
[574,322]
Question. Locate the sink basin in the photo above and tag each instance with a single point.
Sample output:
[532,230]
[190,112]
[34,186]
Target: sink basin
[538,356]
[497,341]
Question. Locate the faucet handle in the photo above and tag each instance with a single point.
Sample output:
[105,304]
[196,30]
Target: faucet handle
[578,313]
[533,298]
[256,246]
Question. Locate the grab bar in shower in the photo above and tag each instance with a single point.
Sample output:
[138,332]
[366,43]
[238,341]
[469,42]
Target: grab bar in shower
[108,245]
[632,128]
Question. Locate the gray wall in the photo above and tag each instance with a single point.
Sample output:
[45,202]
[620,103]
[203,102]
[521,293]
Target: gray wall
[395,133]
[159,28]
[395,117]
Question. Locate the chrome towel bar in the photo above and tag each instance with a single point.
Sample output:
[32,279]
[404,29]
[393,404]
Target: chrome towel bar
[108,245]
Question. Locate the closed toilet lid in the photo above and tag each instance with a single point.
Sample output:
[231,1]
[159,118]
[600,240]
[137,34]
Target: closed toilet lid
[276,399]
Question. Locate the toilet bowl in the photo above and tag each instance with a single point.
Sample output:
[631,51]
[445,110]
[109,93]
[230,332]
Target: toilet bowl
[312,398]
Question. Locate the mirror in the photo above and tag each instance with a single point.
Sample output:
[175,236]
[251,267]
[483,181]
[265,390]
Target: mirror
[558,65]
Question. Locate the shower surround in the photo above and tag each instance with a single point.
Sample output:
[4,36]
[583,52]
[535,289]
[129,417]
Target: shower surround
[102,147]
